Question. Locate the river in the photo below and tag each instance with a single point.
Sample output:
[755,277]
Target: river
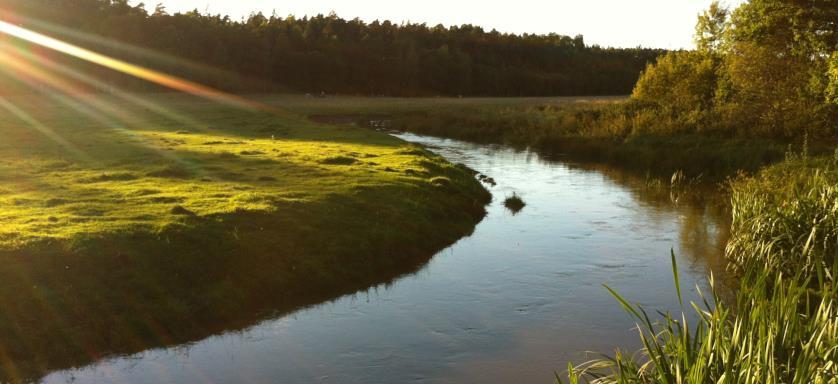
[513,302]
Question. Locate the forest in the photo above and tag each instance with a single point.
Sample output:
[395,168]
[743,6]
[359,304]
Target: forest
[332,55]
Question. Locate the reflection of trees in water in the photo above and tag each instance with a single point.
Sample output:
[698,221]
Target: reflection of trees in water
[702,208]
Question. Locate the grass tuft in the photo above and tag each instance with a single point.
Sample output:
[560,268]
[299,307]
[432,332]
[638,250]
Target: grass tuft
[171,172]
[514,203]
[339,160]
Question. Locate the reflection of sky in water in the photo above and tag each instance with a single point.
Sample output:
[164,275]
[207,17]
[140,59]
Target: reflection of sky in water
[513,302]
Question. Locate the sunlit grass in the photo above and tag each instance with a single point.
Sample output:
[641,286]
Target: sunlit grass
[122,228]
[786,218]
[129,182]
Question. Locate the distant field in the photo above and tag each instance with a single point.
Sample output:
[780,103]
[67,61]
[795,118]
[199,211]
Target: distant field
[359,104]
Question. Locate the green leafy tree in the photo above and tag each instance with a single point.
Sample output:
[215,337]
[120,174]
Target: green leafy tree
[711,27]
[682,84]
[777,65]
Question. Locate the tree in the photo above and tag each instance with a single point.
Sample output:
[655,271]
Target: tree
[776,64]
[710,29]
[682,84]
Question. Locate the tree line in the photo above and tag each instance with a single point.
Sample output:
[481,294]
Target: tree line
[326,53]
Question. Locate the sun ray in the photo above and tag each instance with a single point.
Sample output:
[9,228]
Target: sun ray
[101,85]
[95,109]
[43,129]
[157,57]
[147,74]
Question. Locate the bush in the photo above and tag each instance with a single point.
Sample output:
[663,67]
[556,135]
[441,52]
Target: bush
[682,83]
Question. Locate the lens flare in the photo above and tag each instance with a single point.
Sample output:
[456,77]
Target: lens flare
[43,129]
[100,85]
[150,75]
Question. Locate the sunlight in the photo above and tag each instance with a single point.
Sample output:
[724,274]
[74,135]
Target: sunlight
[188,196]
[94,108]
[111,89]
[47,131]
[151,75]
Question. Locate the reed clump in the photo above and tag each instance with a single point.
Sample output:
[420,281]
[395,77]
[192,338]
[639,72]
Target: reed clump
[785,219]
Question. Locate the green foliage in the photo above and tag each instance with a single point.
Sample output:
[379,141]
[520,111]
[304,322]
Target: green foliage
[766,70]
[785,219]
[632,134]
[711,27]
[778,331]
[335,55]
[832,88]
[682,85]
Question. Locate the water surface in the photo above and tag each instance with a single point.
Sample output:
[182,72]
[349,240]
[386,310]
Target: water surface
[513,302]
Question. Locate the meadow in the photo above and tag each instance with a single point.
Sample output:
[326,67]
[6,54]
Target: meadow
[611,130]
[128,225]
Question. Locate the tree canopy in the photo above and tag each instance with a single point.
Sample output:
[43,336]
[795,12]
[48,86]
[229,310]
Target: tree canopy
[769,67]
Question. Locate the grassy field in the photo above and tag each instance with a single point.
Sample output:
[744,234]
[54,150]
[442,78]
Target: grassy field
[606,130]
[130,225]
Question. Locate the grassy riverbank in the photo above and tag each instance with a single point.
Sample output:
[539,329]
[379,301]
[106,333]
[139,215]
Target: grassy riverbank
[610,130]
[783,325]
[128,226]
[604,132]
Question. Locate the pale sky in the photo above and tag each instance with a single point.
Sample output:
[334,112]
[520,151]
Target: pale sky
[618,23]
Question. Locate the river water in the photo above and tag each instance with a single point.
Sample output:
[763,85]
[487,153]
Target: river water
[514,302]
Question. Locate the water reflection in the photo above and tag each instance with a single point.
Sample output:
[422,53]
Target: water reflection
[511,303]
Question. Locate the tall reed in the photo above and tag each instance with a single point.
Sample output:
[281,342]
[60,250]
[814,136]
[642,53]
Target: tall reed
[785,219]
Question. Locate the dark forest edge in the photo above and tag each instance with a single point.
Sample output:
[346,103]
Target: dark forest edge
[326,53]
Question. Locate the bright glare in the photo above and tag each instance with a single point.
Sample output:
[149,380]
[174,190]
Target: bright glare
[125,67]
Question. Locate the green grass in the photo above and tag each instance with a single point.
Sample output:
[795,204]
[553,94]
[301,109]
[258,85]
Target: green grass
[609,130]
[786,218]
[776,331]
[782,326]
[126,226]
